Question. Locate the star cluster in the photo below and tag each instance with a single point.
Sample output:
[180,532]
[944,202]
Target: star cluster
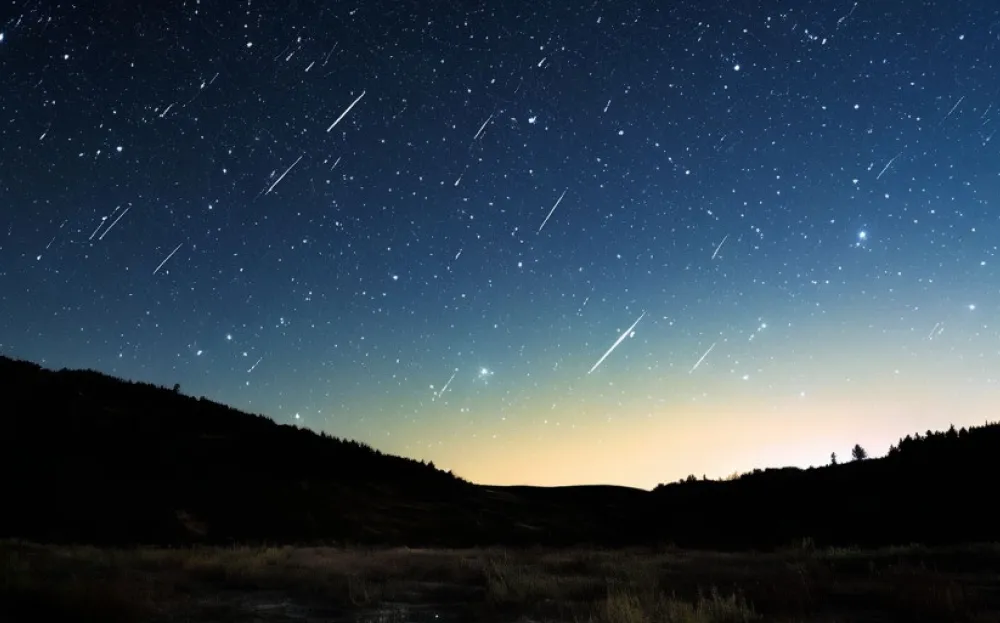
[535,242]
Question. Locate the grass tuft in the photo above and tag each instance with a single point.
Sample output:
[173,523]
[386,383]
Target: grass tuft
[625,606]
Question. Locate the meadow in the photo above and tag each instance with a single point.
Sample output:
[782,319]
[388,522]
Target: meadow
[396,585]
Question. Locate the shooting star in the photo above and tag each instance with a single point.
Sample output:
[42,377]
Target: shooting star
[482,127]
[278,181]
[166,259]
[695,367]
[720,246]
[930,336]
[556,205]
[346,110]
[330,53]
[445,388]
[257,363]
[114,223]
[957,104]
[101,224]
[54,237]
[887,165]
[617,342]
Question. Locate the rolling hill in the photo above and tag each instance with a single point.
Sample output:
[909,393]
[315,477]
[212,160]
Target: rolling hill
[91,458]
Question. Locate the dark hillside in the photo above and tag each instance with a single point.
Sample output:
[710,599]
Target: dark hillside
[935,488]
[90,458]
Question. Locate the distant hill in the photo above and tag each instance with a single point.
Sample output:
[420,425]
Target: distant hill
[939,487]
[85,457]
[91,458]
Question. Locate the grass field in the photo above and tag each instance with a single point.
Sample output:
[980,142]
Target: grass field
[313,584]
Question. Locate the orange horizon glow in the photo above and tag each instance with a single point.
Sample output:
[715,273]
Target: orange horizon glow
[642,449]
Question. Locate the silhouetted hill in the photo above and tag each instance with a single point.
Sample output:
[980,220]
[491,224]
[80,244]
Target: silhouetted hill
[91,458]
[935,488]
[87,457]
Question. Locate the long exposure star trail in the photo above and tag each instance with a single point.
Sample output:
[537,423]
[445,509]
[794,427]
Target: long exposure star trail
[351,210]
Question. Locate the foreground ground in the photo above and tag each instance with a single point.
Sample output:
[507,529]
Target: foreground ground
[315,584]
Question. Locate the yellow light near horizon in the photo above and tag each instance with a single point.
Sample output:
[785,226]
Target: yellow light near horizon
[714,439]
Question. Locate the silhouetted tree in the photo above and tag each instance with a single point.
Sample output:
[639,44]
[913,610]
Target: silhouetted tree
[858,453]
[833,458]
[906,444]
[177,388]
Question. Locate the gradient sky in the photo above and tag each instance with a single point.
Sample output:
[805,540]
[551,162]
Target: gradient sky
[422,224]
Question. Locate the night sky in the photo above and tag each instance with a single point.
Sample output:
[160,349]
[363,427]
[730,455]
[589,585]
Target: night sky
[534,242]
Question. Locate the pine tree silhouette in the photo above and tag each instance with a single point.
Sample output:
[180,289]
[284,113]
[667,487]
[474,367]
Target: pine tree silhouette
[858,453]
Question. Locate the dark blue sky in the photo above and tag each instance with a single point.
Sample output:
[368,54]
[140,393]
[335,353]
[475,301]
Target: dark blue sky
[335,214]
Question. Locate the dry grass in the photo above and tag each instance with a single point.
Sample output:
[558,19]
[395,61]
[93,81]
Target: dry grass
[580,586]
[625,606]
